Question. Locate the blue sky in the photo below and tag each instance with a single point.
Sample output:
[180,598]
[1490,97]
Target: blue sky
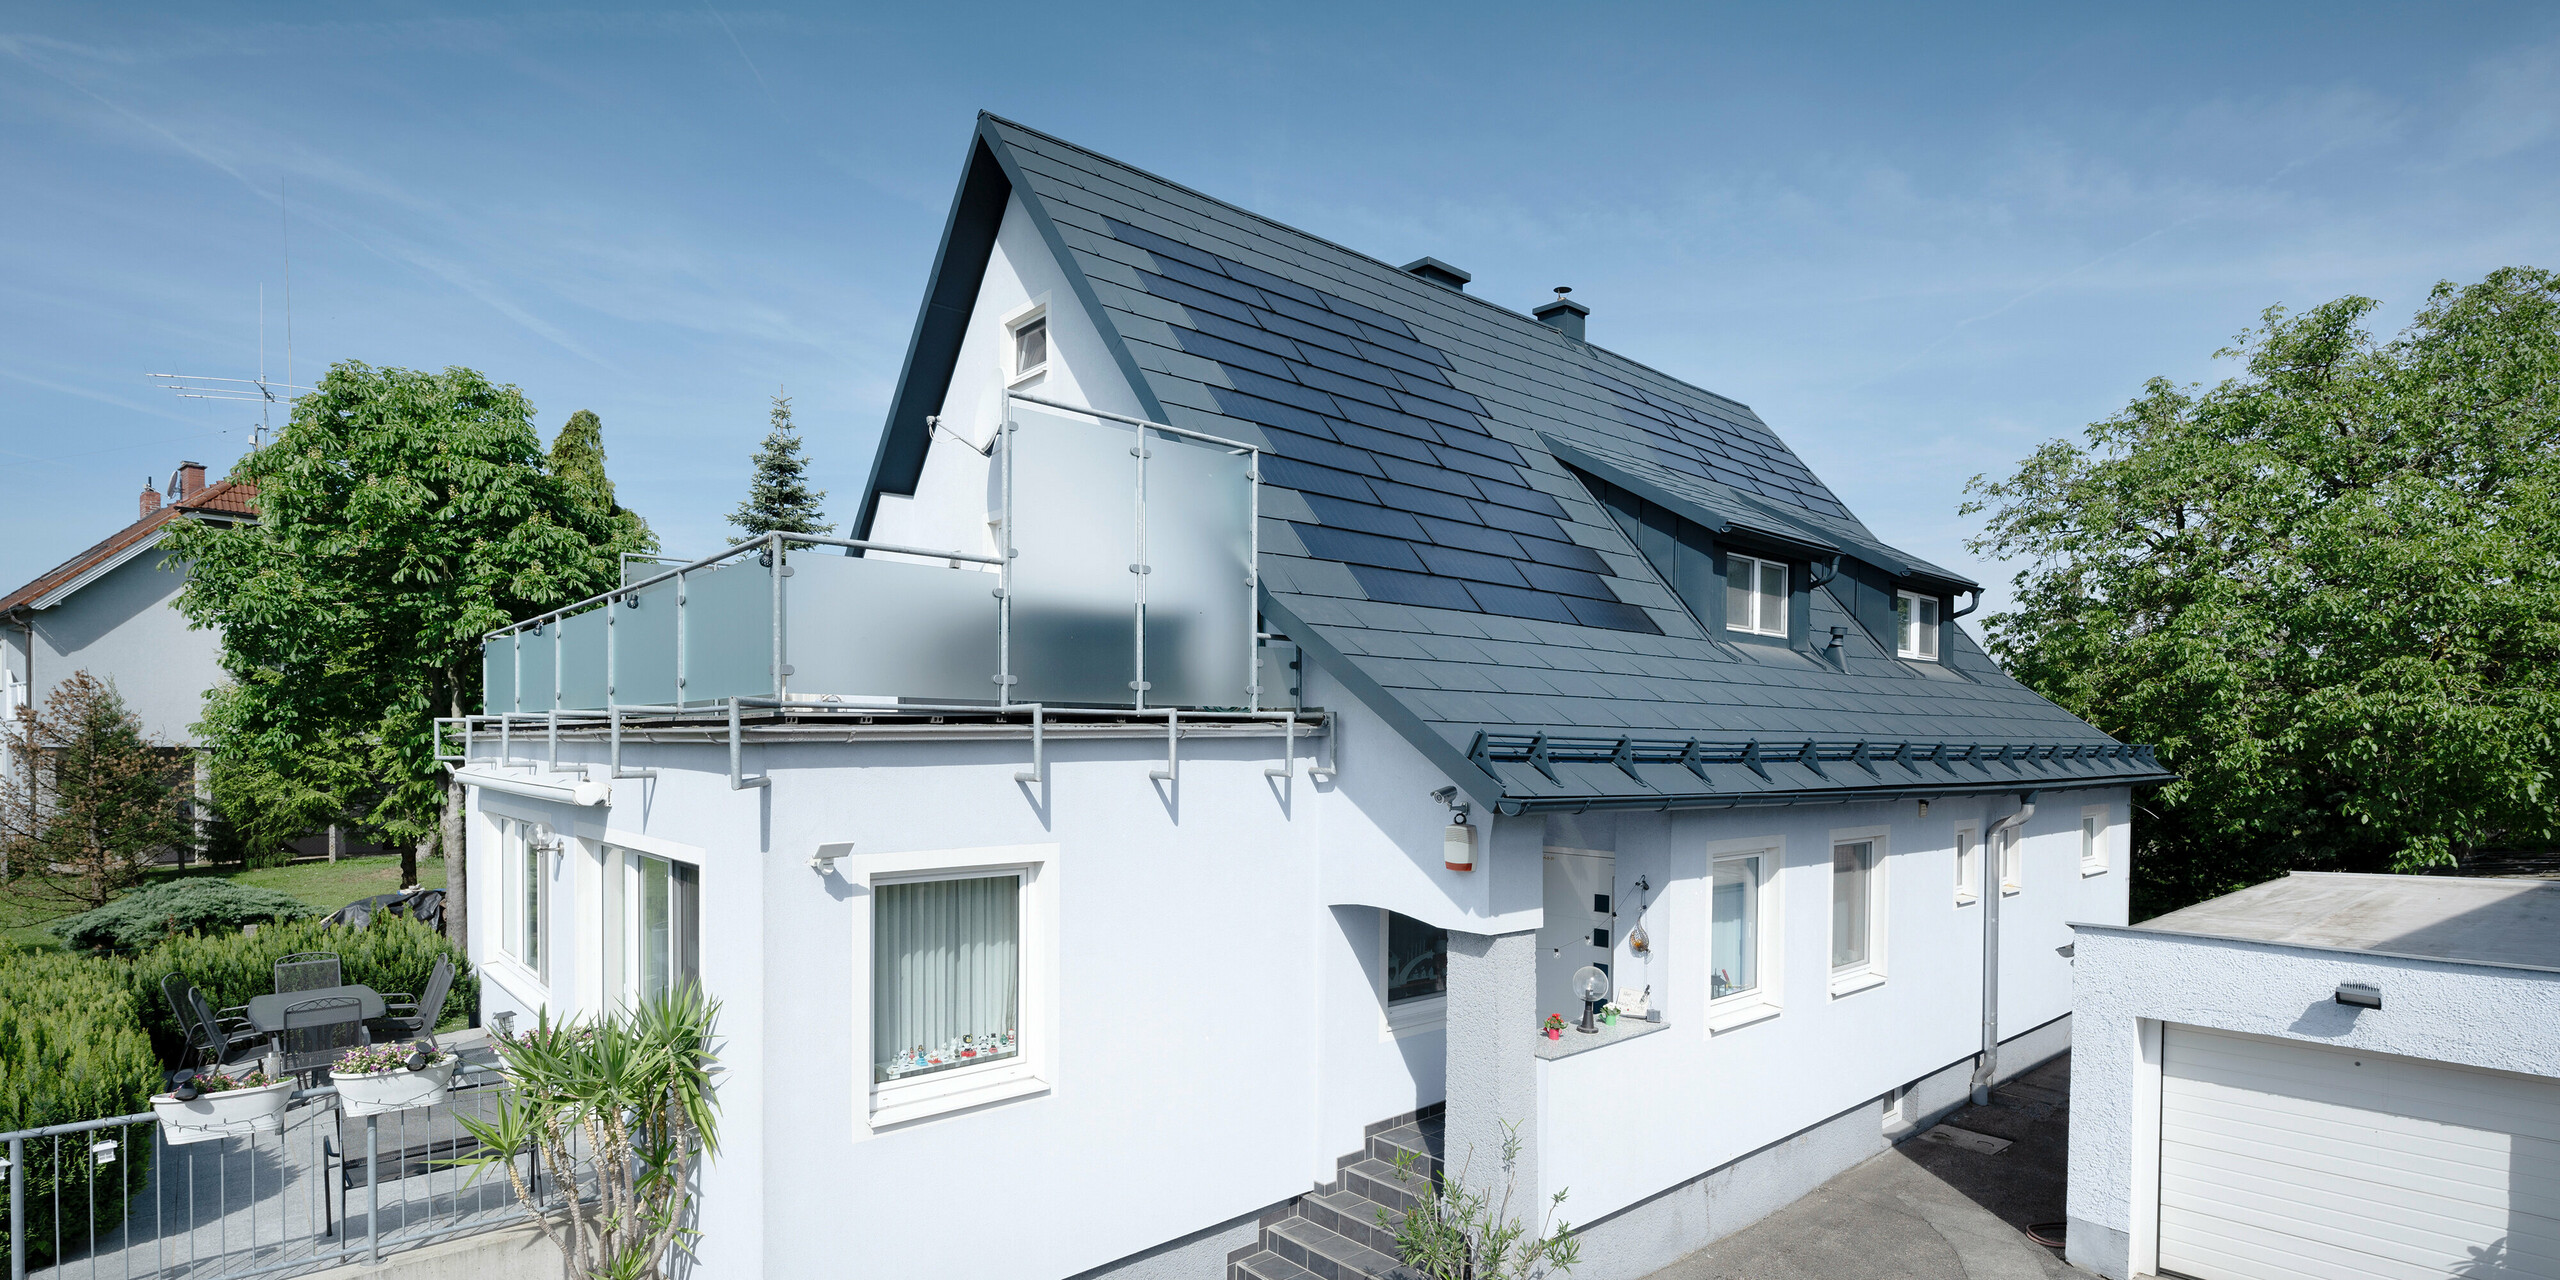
[1918,243]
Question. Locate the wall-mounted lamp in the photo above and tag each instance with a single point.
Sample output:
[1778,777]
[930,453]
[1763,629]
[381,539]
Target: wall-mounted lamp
[824,860]
[1457,840]
[544,839]
[2360,995]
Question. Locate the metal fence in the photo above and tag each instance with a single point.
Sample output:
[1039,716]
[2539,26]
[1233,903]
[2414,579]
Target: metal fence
[109,1197]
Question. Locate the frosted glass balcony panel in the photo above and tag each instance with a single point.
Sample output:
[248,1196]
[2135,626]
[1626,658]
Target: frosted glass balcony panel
[535,653]
[644,647]
[1199,545]
[498,674]
[863,627]
[582,673]
[1075,529]
[728,637]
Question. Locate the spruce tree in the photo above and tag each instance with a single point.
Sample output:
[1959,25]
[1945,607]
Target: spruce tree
[780,499]
[577,456]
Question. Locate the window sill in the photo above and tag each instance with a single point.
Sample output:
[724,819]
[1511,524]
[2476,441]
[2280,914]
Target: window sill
[2010,890]
[1967,899]
[1414,1017]
[1573,1042]
[1027,377]
[1850,984]
[1720,1021]
[522,983]
[2088,869]
[898,1103]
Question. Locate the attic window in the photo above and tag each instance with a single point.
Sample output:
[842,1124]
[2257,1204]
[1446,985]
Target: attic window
[1031,345]
[1755,595]
[1915,626]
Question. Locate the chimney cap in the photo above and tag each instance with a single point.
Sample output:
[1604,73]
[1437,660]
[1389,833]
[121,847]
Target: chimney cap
[1564,315]
[1438,272]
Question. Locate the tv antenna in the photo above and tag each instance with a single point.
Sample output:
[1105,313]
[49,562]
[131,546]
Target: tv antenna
[259,390]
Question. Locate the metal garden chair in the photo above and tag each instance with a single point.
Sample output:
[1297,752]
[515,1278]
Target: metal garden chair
[307,971]
[415,1018]
[316,1031]
[211,1038]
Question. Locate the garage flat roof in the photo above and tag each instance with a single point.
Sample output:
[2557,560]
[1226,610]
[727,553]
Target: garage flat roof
[2482,921]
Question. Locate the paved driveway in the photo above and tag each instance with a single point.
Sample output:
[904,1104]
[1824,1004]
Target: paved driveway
[1924,1210]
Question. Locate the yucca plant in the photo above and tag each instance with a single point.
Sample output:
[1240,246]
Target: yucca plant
[628,1096]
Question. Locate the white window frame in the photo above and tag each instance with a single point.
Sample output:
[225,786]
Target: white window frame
[1743,1008]
[1968,863]
[1413,1017]
[1906,619]
[1785,593]
[1850,979]
[1014,323]
[1030,1072]
[617,906]
[2093,839]
[516,858]
[2012,856]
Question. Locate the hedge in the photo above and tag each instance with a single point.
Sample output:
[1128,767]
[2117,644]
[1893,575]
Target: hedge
[193,905]
[72,1047]
[392,954]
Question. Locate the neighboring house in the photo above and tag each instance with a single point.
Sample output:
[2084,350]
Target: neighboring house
[111,611]
[2322,1075]
[1076,866]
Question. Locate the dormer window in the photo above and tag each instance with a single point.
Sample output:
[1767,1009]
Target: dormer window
[1755,595]
[1915,626]
[1030,345]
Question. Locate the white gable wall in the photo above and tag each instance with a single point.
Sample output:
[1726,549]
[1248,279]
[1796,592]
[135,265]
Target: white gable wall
[124,627]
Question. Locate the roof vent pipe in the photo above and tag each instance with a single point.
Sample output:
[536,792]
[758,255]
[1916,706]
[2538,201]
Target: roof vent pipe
[1439,273]
[1564,315]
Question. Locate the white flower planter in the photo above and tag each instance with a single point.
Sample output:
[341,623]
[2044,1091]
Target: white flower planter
[383,1092]
[213,1116]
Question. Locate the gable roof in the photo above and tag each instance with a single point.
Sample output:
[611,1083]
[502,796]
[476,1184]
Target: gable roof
[1425,536]
[224,499]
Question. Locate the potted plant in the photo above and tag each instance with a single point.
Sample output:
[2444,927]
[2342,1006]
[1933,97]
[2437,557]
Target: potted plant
[1555,1026]
[378,1079]
[1609,1014]
[206,1106]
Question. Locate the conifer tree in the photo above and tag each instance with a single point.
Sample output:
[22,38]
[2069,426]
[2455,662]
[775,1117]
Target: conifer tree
[780,499]
[577,456]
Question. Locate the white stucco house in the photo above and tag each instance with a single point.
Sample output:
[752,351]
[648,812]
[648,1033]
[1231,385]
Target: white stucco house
[1261,682]
[2321,1076]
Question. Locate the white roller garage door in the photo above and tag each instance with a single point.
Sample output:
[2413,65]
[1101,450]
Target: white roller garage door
[2282,1160]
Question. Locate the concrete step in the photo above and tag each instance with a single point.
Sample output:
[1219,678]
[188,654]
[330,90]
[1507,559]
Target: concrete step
[1266,1265]
[1330,1256]
[1423,1143]
[1353,1217]
[1379,1181]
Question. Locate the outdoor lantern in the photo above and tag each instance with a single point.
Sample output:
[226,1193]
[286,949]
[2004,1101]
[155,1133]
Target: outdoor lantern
[1458,845]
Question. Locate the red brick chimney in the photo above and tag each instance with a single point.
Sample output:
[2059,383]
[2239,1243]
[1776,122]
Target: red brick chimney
[190,479]
[150,496]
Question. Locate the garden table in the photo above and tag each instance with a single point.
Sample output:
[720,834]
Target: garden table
[266,1012]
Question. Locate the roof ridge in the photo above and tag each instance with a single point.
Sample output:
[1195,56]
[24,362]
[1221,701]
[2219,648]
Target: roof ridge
[1392,269]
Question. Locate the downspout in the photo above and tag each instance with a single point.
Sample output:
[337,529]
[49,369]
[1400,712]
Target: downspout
[1987,1064]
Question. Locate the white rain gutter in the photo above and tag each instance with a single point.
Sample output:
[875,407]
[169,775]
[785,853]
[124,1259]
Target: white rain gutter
[1987,1064]
[582,792]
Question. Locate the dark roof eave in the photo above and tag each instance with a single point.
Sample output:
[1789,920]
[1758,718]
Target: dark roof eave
[1652,801]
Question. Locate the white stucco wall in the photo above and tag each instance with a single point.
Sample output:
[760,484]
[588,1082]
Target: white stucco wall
[2128,983]
[121,627]
[1623,1122]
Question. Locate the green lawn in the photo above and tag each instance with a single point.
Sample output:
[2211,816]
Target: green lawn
[326,886]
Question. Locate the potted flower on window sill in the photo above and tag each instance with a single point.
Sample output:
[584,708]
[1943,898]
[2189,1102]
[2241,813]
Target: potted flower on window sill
[1609,1014]
[378,1079]
[209,1105]
[1555,1026]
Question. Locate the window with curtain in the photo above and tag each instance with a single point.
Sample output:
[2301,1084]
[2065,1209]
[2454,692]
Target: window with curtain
[1853,867]
[654,933]
[1734,928]
[946,974]
[1417,960]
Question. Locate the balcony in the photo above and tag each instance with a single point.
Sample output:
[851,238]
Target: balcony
[1125,580]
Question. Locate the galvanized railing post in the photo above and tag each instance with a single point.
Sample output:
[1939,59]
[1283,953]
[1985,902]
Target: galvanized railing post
[1006,430]
[373,1190]
[1139,570]
[774,580]
[17,1209]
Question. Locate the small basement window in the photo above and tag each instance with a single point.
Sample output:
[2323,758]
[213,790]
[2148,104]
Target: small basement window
[1755,595]
[1915,626]
[1031,346]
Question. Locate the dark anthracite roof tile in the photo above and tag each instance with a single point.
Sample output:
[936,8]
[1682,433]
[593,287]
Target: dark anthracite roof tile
[1409,430]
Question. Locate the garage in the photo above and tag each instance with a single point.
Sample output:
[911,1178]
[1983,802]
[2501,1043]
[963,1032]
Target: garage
[2322,1077]
[2281,1159]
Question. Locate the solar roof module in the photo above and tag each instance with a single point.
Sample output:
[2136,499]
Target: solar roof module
[1451,477]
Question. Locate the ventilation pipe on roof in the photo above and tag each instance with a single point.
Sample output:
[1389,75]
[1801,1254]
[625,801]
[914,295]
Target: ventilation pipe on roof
[1564,315]
[1439,273]
[1988,1064]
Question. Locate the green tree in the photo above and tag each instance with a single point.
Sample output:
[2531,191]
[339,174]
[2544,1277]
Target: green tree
[577,456]
[780,500]
[402,514]
[2326,589]
[93,802]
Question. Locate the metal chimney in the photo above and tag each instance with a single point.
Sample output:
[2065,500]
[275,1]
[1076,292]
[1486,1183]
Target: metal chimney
[1564,315]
